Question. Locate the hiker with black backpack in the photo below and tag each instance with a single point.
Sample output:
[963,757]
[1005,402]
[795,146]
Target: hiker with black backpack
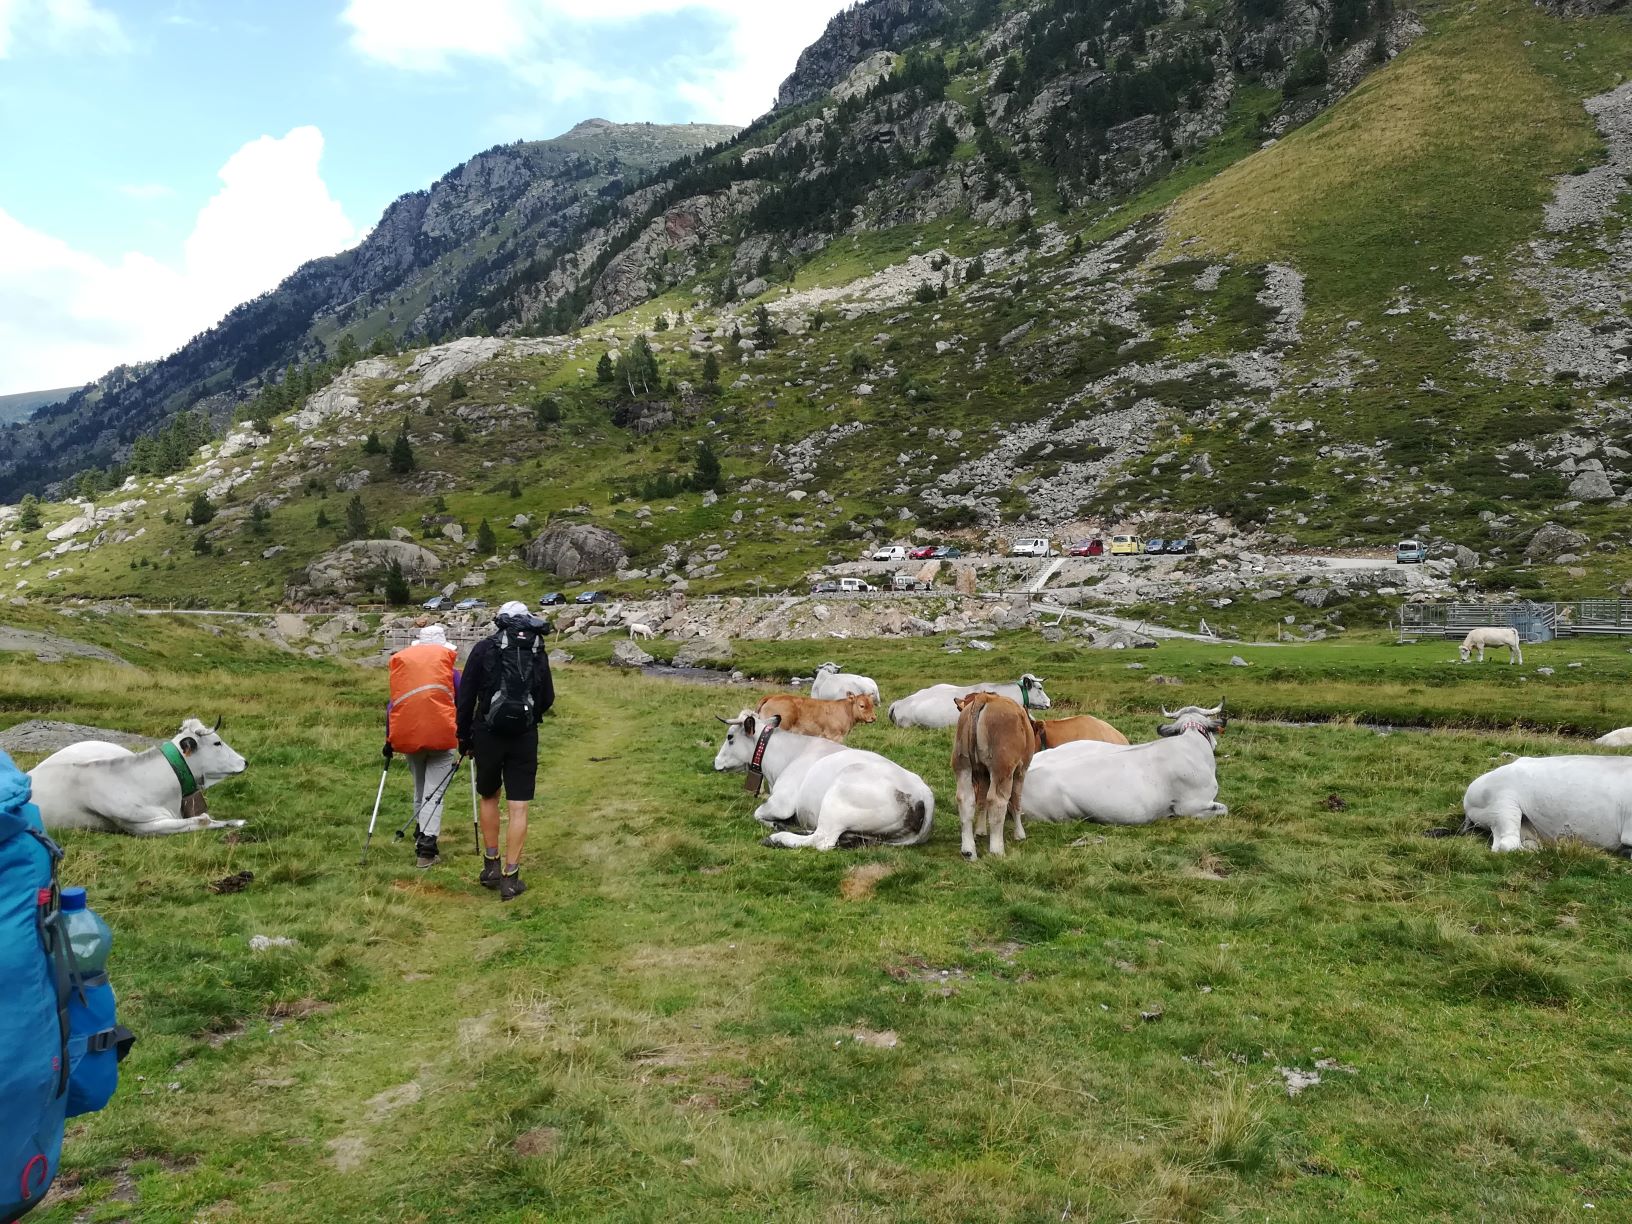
[505,692]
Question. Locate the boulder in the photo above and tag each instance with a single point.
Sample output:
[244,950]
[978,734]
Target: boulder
[1592,486]
[1466,558]
[560,657]
[704,652]
[1313,597]
[342,569]
[579,550]
[454,532]
[1122,639]
[627,654]
[1552,541]
[352,481]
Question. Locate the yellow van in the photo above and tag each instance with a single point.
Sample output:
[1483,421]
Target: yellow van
[1126,546]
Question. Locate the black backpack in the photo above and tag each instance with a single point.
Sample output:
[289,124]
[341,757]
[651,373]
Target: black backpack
[511,709]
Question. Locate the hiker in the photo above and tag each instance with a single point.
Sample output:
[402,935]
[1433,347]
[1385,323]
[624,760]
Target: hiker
[507,690]
[421,724]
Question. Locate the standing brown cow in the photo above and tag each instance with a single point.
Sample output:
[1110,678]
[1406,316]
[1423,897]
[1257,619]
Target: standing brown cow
[1052,732]
[992,749]
[832,720]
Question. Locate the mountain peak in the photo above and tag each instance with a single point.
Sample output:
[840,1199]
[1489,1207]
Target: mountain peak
[590,127]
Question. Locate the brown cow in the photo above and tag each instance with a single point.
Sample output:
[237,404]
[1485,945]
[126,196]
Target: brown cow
[1052,732]
[992,749]
[831,720]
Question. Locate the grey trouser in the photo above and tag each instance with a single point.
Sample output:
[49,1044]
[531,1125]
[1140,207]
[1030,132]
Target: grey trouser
[430,771]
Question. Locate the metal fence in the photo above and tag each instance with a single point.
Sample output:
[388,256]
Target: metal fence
[1536,622]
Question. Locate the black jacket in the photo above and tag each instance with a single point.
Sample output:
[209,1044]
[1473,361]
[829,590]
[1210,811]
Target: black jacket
[481,681]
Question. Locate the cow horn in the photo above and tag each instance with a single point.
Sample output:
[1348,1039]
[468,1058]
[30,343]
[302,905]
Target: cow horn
[217,726]
[1167,713]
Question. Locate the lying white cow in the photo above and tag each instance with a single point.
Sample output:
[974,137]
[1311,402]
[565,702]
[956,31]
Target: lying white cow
[1478,639]
[97,785]
[1585,797]
[830,684]
[834,791]
[1617,739]
[936,706]
[1131,784]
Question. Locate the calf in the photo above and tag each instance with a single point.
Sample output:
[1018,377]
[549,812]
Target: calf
[991,751]
[637,630]
[1053,732]
[830,720]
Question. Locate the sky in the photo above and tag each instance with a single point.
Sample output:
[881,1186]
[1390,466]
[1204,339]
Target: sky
[163,160]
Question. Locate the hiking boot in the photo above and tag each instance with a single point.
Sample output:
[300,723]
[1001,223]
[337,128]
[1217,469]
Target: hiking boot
[510,886]
[426,851]
[490,872]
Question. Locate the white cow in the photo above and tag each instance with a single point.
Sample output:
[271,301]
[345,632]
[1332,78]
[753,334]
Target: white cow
[1617,739]
[1541,799]
[936,706]
[831,684]
[1478,639]
[638,630]
[1131,784]
[834,791]
[97,785]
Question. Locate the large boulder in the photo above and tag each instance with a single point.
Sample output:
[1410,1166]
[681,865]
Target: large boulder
[577,551]
[703,652]
[1552,541]
[627,654]
[343,568]
[1592,486]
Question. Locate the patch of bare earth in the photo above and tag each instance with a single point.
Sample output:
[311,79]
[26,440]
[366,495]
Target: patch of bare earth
[862,880]
[1210,867]
[540,1141]
[347,1153]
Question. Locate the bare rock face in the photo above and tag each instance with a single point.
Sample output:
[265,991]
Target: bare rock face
[1552,541]
[343,568]
[577,550]
[884,25]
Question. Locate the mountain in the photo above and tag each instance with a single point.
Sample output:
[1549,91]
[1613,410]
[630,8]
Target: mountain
[417,274]
[23,404]
[1274,276]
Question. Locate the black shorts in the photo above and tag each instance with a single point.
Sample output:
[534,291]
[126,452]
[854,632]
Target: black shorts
[510,759]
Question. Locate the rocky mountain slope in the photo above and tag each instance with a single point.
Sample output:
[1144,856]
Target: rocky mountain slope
[23,404]
[415,276]
[1021,270]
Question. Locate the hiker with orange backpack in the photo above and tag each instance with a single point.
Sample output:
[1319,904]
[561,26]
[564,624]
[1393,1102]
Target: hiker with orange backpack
[421,724]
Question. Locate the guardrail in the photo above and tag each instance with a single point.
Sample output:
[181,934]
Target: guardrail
[1536,622]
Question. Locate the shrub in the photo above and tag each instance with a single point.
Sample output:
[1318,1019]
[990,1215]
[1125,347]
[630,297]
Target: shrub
[372,444]
[396,585]
[1309,70]
[202,510]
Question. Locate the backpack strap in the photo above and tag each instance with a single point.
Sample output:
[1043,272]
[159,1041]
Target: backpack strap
[54,941]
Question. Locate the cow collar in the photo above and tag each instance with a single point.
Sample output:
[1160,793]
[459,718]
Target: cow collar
[756,774]
[184,775]
[1025,694]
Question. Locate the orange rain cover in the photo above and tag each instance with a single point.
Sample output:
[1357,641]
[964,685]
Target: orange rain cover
[422,712]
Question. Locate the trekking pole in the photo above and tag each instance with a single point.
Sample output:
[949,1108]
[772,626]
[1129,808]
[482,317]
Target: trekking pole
[430,801]
[378,795]
[475,822]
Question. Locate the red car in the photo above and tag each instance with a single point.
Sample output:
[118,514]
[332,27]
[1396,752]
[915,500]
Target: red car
[922,554]
[1088,548]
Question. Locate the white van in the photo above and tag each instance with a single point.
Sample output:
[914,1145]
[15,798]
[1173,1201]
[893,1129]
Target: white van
[1035,547]
[894,552]
[854,585]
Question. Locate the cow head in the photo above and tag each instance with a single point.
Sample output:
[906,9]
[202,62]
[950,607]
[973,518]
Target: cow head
[208,755]
[827,667]
[741,734]
[863,707]
[1210,723]
[1465,651]
[1031,688]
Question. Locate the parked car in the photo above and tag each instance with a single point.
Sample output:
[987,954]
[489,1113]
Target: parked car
[946,552]
[1411,552]
[829,586]
[1088,548]
[855,585]
[466,605]
[1036,546]
[1125,545]
[553,600]
[1155,546]
[591,597]
[894,552]
[1181,545]
[435,603]
[922,554]
[908,582]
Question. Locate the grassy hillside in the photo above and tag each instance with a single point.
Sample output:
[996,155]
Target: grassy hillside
[674,1022]
[22,404]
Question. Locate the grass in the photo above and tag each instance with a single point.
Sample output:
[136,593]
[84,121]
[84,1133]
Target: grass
[666,1026]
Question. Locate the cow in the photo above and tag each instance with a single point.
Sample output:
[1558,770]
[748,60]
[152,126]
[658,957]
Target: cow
[101,786]
[1543,799]
[936,706]
[838,793]
[1134,784]
[830,684]
[638,630]
[1053,732]
[1478,639]
[1616,739]
[831,720]
[991,750]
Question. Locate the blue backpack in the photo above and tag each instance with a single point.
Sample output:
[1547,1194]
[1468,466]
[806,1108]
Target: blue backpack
[57,1027]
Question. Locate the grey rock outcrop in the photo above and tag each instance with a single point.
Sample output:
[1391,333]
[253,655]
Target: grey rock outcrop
[626,654]
[1592,486]
[1552,541]
[850,38]
[579,550]
[343,568]
[704,652]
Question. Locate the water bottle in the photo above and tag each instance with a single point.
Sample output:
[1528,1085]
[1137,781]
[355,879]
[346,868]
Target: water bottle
[88,935]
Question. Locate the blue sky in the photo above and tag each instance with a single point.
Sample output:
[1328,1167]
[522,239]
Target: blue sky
[161,160]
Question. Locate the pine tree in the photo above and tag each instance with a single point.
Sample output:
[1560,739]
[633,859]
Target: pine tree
[322,519]
[486,542]
[764,333]
[515,488]
[347,351]
[259,517]
[943,143]
[711,372]
[396,585]
[28,517]
[706,472]
[975,270]
[202,511]
[357,527]
[457,389]
[457,434]
[662,323]
[372,444]
[603,368]
[402,453]
[202,546]
[546,412]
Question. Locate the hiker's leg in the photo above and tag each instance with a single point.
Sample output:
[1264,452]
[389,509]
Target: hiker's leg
[437,767]
[489,766]
[520,780]
[516,837]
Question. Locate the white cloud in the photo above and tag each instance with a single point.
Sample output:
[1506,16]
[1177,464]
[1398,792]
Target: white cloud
[60,25]
[532,38]
[67,316]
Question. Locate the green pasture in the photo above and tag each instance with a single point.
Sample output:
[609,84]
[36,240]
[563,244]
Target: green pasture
[677,1024]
